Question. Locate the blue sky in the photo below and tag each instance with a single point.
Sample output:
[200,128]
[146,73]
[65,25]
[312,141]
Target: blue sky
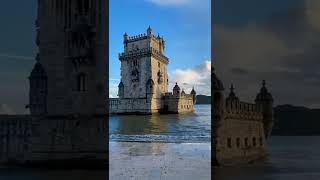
[184,24]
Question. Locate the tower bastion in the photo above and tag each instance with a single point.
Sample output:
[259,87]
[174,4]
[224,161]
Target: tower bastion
[240,129]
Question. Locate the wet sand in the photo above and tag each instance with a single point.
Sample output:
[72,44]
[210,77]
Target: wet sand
[135,160]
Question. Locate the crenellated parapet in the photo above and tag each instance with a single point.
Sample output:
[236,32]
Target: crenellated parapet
[145,52]
[236,109]
[242,110]
[142,36]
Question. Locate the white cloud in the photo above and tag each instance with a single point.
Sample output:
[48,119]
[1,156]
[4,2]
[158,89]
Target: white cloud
[6,109]
[113,87]
[198,76]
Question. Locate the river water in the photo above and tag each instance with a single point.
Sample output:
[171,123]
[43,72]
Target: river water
[290,158]
[169,128]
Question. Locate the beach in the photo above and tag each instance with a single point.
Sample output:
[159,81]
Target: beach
[141,160]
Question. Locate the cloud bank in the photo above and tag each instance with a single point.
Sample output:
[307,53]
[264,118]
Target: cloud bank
[198,77]
[284,50]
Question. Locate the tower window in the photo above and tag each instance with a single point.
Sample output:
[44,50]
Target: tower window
[135,63]
[254,141]
[81,82]
[158,64]
[229,142]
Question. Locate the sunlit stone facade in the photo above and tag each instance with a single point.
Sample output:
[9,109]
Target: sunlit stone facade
[144,79]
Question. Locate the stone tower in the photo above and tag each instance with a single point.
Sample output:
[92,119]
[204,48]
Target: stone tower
[143,67]
[264,99]
[72,58]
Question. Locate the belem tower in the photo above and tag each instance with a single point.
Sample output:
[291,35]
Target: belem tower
[143,88]
[67,88]
[241,129]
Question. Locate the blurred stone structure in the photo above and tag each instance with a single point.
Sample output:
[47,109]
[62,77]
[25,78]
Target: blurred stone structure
[240,129]
[144,81]
[67,89]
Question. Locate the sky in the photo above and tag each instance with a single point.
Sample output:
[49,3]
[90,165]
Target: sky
[278,41]
[186,28]
[185,25]
[17,52]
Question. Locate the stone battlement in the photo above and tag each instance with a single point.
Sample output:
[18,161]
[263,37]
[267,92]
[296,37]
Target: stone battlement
[243,110]
[140,37]
[145,52]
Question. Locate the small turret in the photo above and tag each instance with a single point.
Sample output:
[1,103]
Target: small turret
[194,95]
[38,90]
[232,96]
[264,99]
[121,90]
[183,93]
[125,37]
[149,31]
[176,90]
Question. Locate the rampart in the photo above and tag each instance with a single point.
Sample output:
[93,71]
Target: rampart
[31,139]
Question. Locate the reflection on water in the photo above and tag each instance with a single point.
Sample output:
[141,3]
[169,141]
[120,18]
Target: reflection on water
[190,127]
[290,158]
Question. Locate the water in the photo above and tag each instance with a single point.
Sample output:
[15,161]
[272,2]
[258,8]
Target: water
[290,158]
[187,127]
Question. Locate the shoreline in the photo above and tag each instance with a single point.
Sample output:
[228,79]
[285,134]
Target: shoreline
[157,160]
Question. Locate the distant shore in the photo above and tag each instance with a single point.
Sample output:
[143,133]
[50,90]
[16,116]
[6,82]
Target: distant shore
[135,160]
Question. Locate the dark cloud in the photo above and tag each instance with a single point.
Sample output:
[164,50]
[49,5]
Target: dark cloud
[239,71]
[284,50]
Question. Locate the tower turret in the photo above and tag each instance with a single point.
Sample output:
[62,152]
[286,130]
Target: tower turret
[232,96]
[265,101]
[194,95]
[38,90]
[176,90]
[149,31]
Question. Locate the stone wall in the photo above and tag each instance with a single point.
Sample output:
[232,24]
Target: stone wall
[43,139]
[165,104]
[241,135]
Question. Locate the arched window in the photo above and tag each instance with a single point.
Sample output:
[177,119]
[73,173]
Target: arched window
[82,82]
[254,141]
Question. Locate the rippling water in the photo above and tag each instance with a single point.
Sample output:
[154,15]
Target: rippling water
[187,127]
[290,158]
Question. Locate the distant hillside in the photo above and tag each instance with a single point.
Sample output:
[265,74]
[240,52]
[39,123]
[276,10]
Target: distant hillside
[294,120]
[202,99]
